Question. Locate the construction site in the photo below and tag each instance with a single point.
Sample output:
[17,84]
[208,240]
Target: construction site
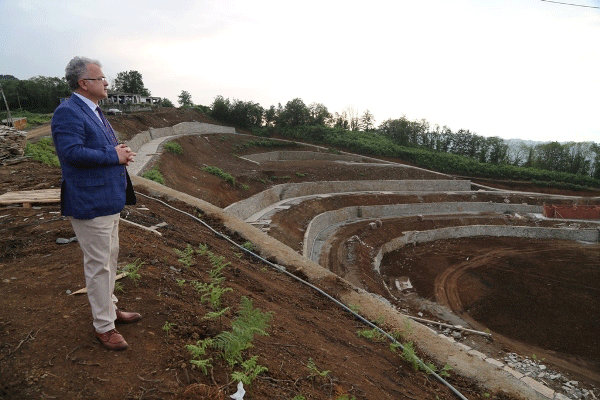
[500,285]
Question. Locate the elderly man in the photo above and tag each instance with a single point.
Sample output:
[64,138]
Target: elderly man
[95,187]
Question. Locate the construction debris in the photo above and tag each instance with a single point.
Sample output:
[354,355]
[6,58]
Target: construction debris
[12,144]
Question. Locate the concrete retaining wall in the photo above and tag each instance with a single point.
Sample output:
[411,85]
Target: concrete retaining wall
[348,214]
[412,237]
[306,155]
[183,128]
[439,348]
[247,207]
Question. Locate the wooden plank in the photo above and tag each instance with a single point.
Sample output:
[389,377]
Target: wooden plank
[28,197]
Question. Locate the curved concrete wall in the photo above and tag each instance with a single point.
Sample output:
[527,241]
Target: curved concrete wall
[183,128]
[412,237]
[347,214]
[465,361]
[247,207]
[307,155]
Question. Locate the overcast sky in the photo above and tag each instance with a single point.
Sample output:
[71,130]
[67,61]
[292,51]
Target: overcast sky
[526,69]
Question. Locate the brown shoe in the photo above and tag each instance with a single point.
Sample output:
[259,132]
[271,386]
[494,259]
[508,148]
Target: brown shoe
[127,317]
[112,340]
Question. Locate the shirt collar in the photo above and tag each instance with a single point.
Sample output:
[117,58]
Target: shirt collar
[87,101]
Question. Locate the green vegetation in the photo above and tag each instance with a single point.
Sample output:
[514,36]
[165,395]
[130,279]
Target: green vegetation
[43,151]
[371,334]
[131,271]
[249,246]
[154,175]
[39,94]
[167,327]
[383,146]
[228,345]
[569,165]
[231,345]
[220,173]
[185,99]
[33,119]
[266,143]
[173,147]
[314,371]
[185,256]
[130,82]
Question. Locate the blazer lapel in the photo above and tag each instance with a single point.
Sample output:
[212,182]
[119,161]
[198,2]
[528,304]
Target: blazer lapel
[88,111]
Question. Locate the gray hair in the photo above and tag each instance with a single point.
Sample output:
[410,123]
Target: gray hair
[76,68]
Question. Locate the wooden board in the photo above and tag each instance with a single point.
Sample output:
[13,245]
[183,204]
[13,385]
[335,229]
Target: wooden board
[29,197]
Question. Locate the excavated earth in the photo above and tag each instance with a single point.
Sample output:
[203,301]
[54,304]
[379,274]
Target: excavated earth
[536,297]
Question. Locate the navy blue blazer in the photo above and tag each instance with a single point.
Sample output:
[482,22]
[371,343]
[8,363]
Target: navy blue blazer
[93,182]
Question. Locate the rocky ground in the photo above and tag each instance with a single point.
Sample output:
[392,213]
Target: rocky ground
[47,349]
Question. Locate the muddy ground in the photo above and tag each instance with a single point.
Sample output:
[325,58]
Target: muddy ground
[47,349]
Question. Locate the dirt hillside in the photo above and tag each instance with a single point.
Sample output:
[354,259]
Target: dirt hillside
[313,349]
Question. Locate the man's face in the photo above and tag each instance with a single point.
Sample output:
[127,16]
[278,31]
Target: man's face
[93,84]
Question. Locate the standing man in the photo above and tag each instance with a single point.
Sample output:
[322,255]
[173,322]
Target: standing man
[95,186]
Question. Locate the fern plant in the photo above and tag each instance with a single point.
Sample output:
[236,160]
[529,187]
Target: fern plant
[185,255]
[251,369]
[248,323]
[198,351]
[131,271]
[314,371]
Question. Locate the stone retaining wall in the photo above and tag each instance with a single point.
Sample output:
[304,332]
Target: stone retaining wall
[247,207]
[349,214]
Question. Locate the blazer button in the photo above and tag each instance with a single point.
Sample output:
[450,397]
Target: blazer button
[122,174]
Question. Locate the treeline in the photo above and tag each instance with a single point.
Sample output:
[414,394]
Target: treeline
[574,165]
[40,94]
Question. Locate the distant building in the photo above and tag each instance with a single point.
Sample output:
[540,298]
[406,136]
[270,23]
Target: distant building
[116,98]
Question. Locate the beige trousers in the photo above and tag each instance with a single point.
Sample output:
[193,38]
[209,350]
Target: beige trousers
[99,241]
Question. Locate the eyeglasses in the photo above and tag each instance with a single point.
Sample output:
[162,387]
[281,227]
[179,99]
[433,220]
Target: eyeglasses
[103,79]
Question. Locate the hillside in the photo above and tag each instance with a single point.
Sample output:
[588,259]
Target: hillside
[46,343]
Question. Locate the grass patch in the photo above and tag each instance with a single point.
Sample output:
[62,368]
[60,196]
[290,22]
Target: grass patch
[154,175]
[43,151]
[220,173]
[266,143]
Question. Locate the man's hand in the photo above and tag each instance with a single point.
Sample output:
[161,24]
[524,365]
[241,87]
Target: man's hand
[125,154]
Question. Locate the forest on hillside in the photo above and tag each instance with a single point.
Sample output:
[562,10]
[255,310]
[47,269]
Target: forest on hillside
[431,146]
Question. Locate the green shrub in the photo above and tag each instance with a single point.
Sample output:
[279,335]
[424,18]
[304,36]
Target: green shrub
[173,147]
[220,173]
[154,175]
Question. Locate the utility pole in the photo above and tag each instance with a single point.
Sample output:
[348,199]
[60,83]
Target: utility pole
[9,118]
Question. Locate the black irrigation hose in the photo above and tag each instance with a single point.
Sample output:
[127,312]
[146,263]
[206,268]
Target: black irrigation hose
[342,305]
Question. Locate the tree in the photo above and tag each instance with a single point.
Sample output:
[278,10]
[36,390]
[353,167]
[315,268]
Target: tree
[185,99]
[271,116]
[37,94]
[164,102]
[295,113]
[319,115]
[220,109]
[352,118]
[367,121]
[130,82]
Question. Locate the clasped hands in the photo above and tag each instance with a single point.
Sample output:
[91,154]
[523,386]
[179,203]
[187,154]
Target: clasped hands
[125,154]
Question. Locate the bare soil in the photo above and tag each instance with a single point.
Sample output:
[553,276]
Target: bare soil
[47,348]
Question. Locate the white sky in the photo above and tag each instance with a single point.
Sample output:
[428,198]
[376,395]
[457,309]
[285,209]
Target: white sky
[526,69]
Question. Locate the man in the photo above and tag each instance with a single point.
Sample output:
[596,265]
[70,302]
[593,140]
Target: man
[95,187]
